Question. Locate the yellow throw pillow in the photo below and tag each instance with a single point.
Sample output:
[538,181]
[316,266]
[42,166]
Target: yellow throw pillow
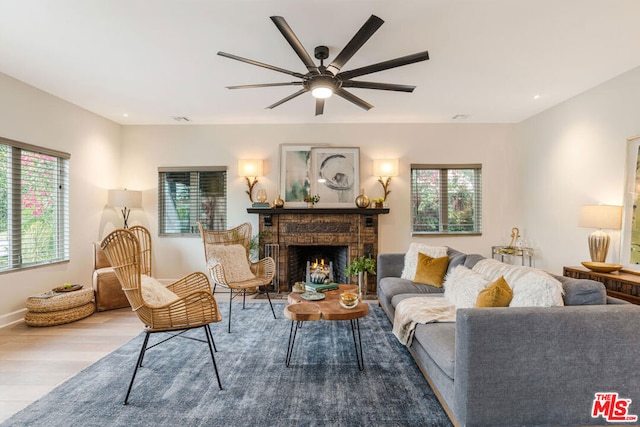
[497,294]
[431,271]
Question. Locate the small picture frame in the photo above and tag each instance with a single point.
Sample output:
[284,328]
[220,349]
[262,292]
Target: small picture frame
[335,175]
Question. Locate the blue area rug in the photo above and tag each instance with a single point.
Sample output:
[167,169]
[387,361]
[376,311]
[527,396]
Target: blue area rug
[322,387]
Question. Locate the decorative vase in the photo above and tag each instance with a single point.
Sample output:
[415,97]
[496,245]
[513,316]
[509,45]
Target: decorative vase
[278,203]
[362,288]
[378,205]
[362,201]
[310,204]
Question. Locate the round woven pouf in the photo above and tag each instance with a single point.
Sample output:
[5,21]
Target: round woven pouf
[63,307]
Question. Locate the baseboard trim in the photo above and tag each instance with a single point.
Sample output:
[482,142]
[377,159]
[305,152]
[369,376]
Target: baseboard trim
[12,318]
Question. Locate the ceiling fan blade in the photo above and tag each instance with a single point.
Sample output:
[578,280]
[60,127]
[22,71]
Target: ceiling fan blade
[264,85]
[291,37]
[381,66]
[288,98]
[380,86]
[319,106]
[360,38]
[261,64]
[352,98]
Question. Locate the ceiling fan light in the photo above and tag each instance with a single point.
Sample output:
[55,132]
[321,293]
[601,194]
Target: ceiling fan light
[322,92]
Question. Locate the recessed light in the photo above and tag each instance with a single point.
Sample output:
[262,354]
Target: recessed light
[536,96]
[125,114]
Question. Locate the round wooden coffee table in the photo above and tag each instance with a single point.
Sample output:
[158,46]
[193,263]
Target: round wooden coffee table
[301,310]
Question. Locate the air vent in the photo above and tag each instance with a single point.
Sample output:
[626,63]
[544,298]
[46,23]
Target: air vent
[181,119]
[460,117]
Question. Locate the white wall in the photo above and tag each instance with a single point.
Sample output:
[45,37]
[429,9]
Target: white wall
[572,155]
[147,147]
[35,117]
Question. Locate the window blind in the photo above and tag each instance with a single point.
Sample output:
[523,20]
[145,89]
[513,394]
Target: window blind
[34,205]
[190,195]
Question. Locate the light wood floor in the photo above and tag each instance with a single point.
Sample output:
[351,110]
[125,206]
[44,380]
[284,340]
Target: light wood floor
[34,360]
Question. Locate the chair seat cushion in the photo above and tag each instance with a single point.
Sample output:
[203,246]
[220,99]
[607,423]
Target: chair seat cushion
[155,293]
[233,259]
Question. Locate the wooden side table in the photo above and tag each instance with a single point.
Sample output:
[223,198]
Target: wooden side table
[625,286]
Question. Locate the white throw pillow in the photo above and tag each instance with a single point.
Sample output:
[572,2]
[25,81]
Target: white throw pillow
[234,260]
[411,257]
[534,288]
[155,293]
[462,286]
[531,287]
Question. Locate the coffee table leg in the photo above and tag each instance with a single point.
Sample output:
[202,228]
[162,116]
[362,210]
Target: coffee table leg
[355,325]
[292,340]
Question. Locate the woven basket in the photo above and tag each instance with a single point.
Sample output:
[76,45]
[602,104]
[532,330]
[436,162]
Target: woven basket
[59,317]
[61,301]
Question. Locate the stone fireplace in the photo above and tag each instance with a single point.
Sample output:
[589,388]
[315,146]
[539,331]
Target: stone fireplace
[335,235]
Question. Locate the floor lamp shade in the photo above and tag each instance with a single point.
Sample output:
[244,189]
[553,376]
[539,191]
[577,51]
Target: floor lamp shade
[125,199]
[599,217]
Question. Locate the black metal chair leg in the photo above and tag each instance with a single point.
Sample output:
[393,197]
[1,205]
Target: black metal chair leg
[209,335]
[212,340]
[230,304]
[138,364]
[272,310]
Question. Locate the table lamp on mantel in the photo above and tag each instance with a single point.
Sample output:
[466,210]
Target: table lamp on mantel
[600,216]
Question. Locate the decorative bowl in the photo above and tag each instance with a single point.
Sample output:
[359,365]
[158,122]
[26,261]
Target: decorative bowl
[602,267]
[348,299]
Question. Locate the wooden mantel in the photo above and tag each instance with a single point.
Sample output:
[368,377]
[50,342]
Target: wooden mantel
[318,211]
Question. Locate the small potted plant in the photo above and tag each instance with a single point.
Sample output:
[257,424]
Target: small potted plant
[311,200]
[359,267]
[377,203]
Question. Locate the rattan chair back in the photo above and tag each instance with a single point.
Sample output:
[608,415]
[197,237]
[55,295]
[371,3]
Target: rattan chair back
[122,248]
[240,235]
[144,238]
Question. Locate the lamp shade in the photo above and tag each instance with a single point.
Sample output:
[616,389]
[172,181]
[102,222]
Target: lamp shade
[385,167]
[125,198]
[250,167]
[601,216]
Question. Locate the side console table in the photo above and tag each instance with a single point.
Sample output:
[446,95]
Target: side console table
[621,285]
[513,253]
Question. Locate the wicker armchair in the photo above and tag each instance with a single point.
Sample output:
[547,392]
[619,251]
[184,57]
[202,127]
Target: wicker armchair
[228,270]
[191,305]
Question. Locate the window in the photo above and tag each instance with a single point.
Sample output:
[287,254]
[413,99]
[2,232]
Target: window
[34,205]
[190,195]
[446,199]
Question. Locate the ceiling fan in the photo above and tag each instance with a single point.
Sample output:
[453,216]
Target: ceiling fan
[323,81]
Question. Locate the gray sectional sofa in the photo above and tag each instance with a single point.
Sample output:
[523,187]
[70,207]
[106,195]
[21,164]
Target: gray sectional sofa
[524,366]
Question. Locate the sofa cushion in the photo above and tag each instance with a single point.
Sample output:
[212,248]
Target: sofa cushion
[462,286]
[411,257]
[431,271]
[582,291]
[396,286]
[456,258]
[472,259]
[439,341]
[497,294]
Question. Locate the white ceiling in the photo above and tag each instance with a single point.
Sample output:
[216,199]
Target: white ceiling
[156,59]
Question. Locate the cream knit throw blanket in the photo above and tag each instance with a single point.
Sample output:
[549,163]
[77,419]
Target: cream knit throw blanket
[420,310]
